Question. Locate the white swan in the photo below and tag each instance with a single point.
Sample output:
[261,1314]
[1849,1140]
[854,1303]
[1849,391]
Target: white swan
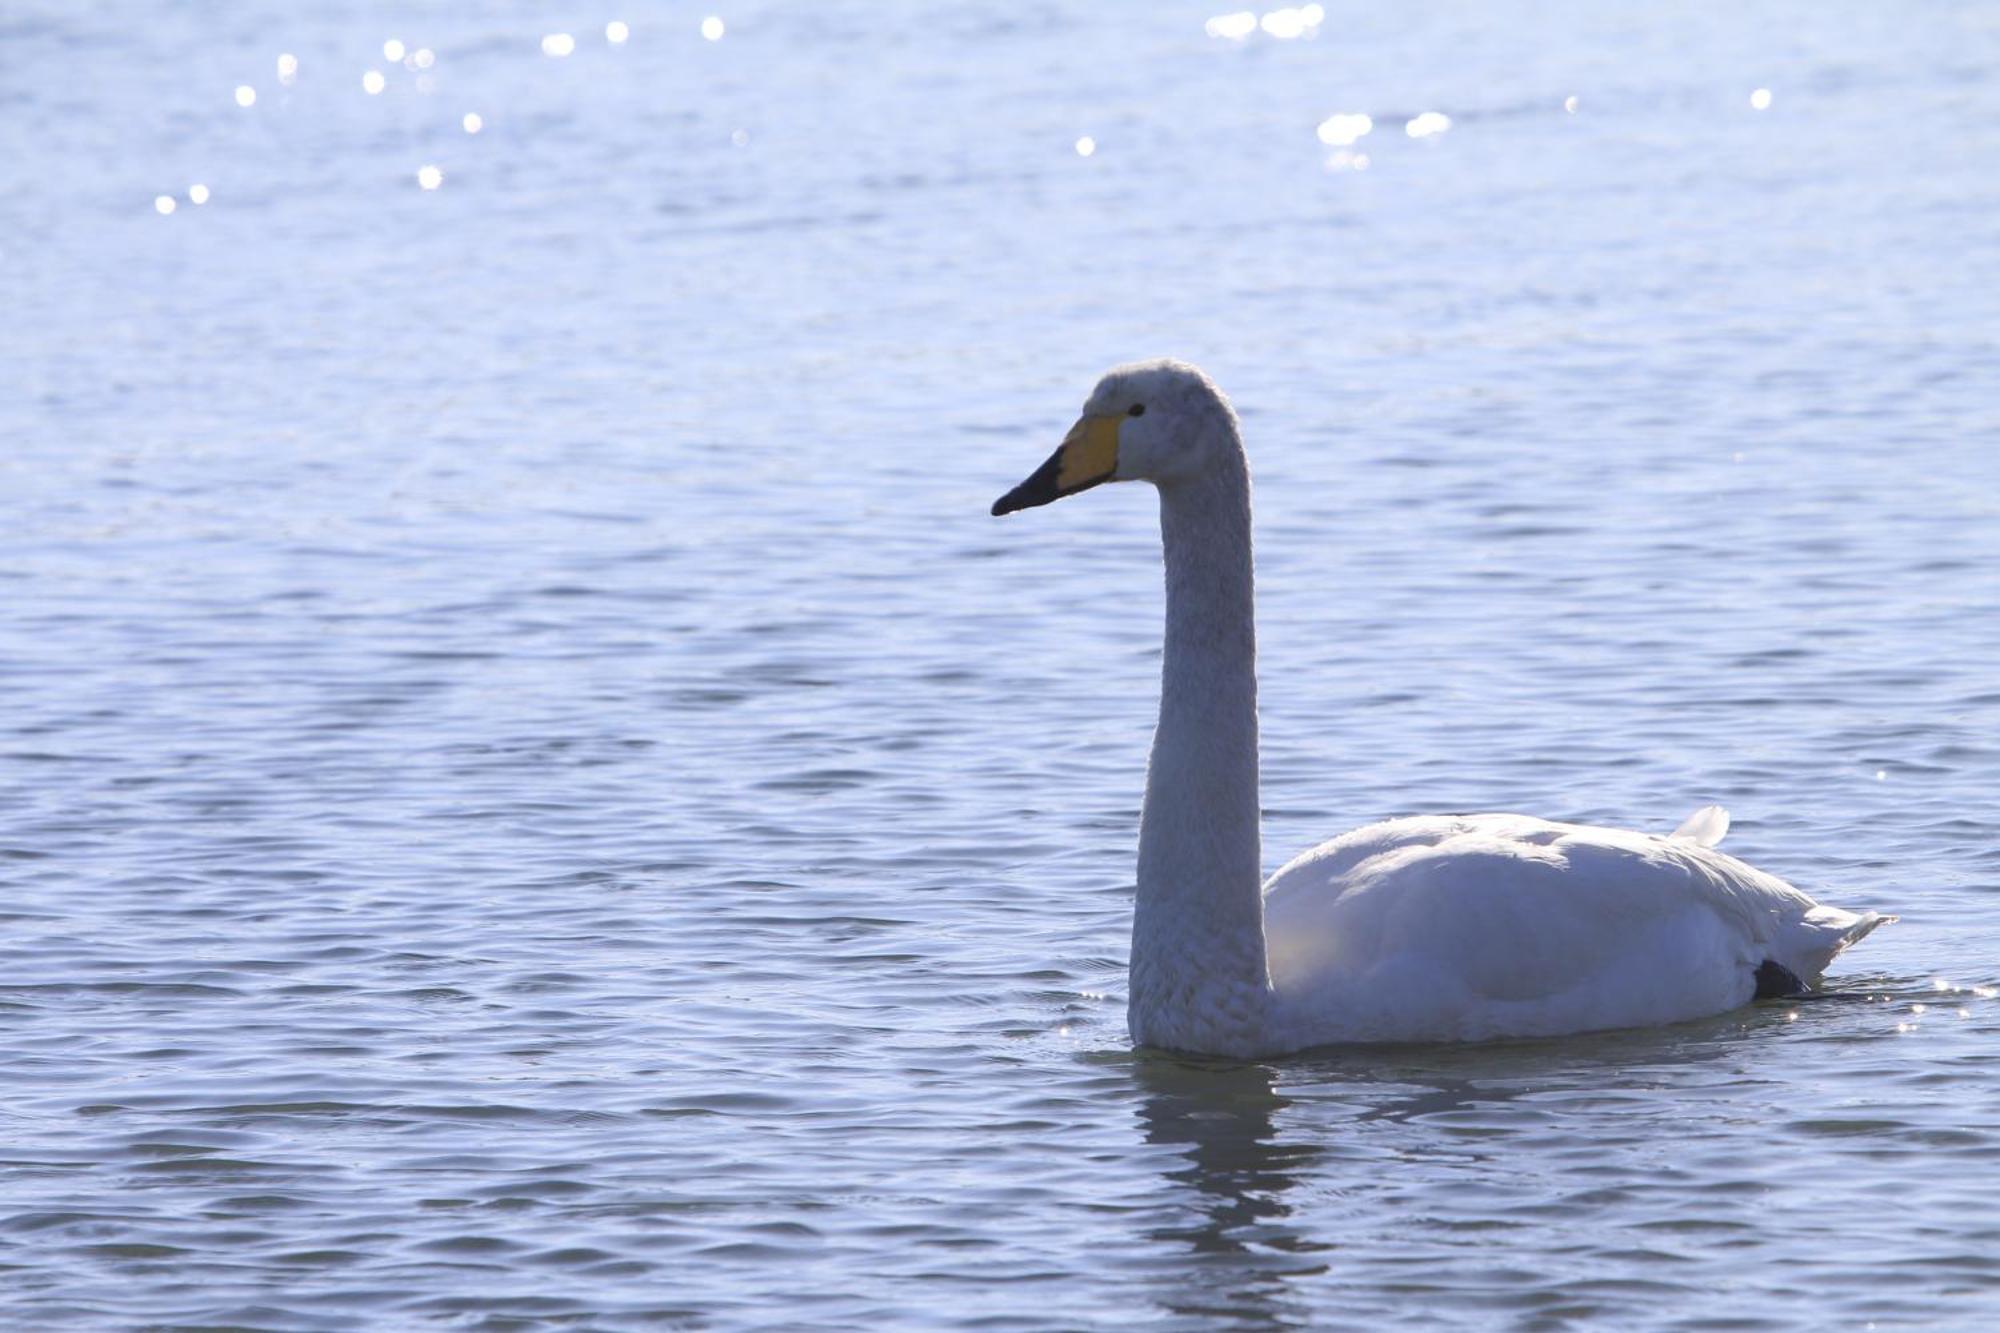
[1436,928]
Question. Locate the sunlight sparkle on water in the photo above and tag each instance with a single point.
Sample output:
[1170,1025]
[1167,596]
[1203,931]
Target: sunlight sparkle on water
[615,32]
[1344,127]
[711,28]
[392,50]
[1346,159]
[197,193]
[164,204]
[1428,125]
[473,124]
[246,96]
[1285,24]
[372,82]
[429,177]
[1282,24]
[422,58]
[556,45]
[288,68]
[1760,100]
[1086,146]
[1569,104]
[1235,26]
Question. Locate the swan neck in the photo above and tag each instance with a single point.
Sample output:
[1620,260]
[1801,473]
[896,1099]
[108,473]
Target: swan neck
[1199,975]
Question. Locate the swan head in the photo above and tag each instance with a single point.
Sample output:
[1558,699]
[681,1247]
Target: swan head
[1159,421]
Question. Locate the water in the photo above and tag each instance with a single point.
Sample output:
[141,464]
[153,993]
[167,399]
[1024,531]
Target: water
[532,792]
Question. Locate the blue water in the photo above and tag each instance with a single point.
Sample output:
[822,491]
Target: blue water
[533,793]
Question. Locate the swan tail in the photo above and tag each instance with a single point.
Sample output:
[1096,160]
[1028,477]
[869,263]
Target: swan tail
[1823,933]
[1703,828]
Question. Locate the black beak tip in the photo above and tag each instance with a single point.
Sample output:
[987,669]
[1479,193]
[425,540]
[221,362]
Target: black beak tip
[1038,489]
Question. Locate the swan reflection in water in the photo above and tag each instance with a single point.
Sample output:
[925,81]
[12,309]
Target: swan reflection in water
[1220,1118]
[1244,1243]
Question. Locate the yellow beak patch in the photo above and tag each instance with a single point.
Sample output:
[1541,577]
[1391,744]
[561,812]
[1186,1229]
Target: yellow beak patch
[1088,455]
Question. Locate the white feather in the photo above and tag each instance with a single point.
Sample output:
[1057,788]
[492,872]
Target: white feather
[1704,827]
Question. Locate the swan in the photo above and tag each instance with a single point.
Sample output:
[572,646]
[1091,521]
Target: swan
[1422,929]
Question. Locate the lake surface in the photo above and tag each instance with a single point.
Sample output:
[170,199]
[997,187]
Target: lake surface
[533,793]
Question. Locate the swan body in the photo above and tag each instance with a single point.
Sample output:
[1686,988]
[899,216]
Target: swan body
[1454,928]
[1432,928]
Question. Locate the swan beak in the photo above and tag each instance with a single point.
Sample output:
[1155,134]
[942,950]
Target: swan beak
[1087,456]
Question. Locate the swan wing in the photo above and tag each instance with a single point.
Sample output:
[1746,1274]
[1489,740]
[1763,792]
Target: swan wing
[1474,926]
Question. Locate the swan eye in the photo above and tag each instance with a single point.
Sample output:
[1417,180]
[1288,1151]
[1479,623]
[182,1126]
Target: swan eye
[1136,410]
